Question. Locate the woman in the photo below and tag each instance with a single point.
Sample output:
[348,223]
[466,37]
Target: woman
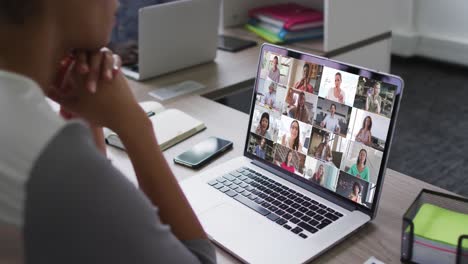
[300,112]
[64,200]
[293,141]
[263,126]
[318,176]
[304,83]
[287,163]
[260,149]
[364,135]
[336,93]
[360,169]
[355,194]
[290,98]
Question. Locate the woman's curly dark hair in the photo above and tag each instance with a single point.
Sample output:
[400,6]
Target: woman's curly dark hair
[17,11]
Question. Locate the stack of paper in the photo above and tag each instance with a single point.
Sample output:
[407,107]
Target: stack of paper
[436,234]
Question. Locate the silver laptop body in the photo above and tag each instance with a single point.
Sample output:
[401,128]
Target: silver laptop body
[174,36]
[235,201]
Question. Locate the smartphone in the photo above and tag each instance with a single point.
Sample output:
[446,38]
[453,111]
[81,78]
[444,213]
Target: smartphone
[203,152]
[234,44]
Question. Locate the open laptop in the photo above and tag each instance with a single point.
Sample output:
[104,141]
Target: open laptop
[175,35]
[308,177]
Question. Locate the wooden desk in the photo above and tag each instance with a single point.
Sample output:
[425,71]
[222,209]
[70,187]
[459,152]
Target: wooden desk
[381,238]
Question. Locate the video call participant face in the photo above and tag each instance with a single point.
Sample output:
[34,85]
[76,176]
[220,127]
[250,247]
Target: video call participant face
[356,188]
[289,158]
[275,62]
[264,122]
[305,71]
[262,143]
[294,130]
[377,89]
[271,88]
[332,109]
[338,80]
[301,100]
[362,158]
[367,124]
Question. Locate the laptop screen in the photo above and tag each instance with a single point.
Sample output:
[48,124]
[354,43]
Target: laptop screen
[326,124]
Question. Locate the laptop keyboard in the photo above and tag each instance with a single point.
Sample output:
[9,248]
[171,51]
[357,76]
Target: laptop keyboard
[288,208]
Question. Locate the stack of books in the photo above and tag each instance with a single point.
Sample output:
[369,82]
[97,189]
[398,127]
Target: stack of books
[285,23]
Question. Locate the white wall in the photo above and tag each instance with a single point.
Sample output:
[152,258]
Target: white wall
[431,28]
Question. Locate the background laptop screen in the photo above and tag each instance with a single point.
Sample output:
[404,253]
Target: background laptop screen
[325,125]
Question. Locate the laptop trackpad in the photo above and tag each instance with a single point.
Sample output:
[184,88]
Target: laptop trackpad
[238,229]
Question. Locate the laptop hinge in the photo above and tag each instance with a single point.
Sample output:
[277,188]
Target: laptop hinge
[332,198]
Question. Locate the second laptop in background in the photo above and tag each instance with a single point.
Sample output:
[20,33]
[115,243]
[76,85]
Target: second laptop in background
[175,35]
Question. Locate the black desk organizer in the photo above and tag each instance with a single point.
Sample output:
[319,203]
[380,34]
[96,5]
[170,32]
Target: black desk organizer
[446,201]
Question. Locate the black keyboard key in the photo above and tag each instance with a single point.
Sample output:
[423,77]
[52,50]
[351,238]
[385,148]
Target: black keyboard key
[321,211]
[288,227]
[318,217]
[331,216]
[299,200]
[313,207]
[314,202]
[218,185]
[295,205]
[303,209]
[267,191]
[281,198]
[321,226]
[322,206]
[299,194]
[266,204]
[313,222]
[298,214]
[306,204]
[292,191]
[305,218]
[273,208]
[213,182]
[280,212]
[252,205]
[307,198]
[273,217]
[259,200]
[338,214]
[255,191]
[269,199]
[294,220]
[278,189]
[231,193]
[326,221]
[287,216]
[330,210]
[274,195]
[281,221]
[310,213]
[290,210]
[276,202]
[261,188]
[225,189]
[308,227]
[292,196]
[297,230]
[304,236]
[283,206]
[288,202]
[284,193]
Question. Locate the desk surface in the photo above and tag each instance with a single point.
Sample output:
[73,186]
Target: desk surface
[381,238]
